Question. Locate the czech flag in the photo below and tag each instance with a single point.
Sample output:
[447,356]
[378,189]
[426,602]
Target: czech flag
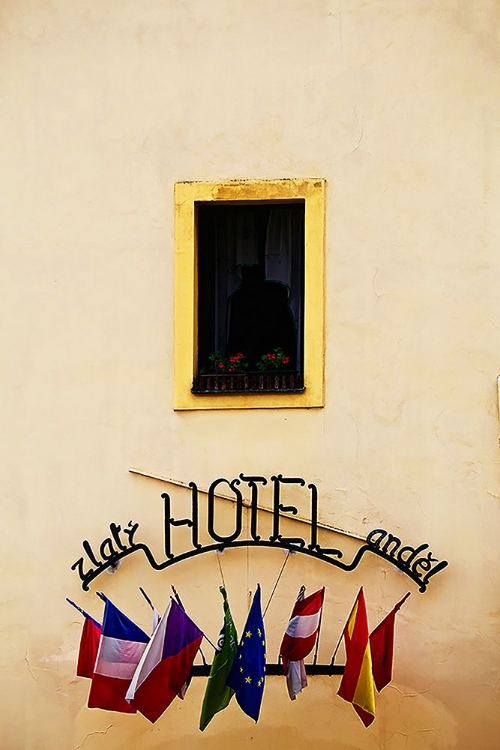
[121,647]
[166,663]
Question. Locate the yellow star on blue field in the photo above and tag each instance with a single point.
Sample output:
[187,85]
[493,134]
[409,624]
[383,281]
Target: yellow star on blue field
[247,675]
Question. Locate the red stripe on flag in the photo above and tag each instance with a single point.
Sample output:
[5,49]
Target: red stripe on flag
[109,693]
[294,648]
[89,645]
[357,686]
[165,681]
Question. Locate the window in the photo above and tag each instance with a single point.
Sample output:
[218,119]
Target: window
[249,294]
[250,297]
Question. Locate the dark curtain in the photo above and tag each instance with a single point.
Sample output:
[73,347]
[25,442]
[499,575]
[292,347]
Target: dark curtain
[270,241]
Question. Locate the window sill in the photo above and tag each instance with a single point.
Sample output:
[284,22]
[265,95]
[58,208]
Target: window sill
[262,382]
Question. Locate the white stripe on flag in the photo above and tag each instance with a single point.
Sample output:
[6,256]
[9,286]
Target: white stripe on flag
[118,658]
[302,626]
[296,678]
[113,669]
[156,619]
[151,657]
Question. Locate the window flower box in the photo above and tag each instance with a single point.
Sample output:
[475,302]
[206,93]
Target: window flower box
[282,381]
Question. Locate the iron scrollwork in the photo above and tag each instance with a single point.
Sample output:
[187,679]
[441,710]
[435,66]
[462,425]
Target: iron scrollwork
[416,562]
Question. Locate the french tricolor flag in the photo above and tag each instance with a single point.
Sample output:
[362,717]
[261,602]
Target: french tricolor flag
[166,663]
[120,649]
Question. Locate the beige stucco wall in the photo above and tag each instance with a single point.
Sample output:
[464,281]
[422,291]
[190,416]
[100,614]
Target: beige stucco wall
[104,106]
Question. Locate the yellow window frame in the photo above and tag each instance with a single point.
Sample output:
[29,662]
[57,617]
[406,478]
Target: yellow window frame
[187,195]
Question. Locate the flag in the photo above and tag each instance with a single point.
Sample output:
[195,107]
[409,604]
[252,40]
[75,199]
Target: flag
[247,675]
[299,639]
[166,663]
[155,614]
[218,694]
[296,678]
[382,647]
[89,645]
[182,692]
[156,619]
[120,649]
[356,686]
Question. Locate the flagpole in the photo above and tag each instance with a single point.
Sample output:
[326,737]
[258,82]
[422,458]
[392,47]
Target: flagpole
[177,597]
[276,584]
[146,598]
[82,611]
[342,633]
[338,645]
[319,629]
[220,568]
[405,597]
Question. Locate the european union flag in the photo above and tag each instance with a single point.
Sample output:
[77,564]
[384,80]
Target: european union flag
[247,674]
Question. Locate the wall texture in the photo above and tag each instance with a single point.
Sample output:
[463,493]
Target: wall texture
[104,107]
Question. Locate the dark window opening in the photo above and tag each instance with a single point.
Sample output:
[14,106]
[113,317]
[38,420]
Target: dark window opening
[250,296]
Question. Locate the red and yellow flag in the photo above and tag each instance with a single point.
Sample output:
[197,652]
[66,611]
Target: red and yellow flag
[356,686]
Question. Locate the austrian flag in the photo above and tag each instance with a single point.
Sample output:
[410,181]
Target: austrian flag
[299,639]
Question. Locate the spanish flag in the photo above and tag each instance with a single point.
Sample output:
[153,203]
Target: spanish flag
[356,686]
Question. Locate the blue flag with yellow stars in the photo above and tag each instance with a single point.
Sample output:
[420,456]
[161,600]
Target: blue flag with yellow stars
[247,674]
